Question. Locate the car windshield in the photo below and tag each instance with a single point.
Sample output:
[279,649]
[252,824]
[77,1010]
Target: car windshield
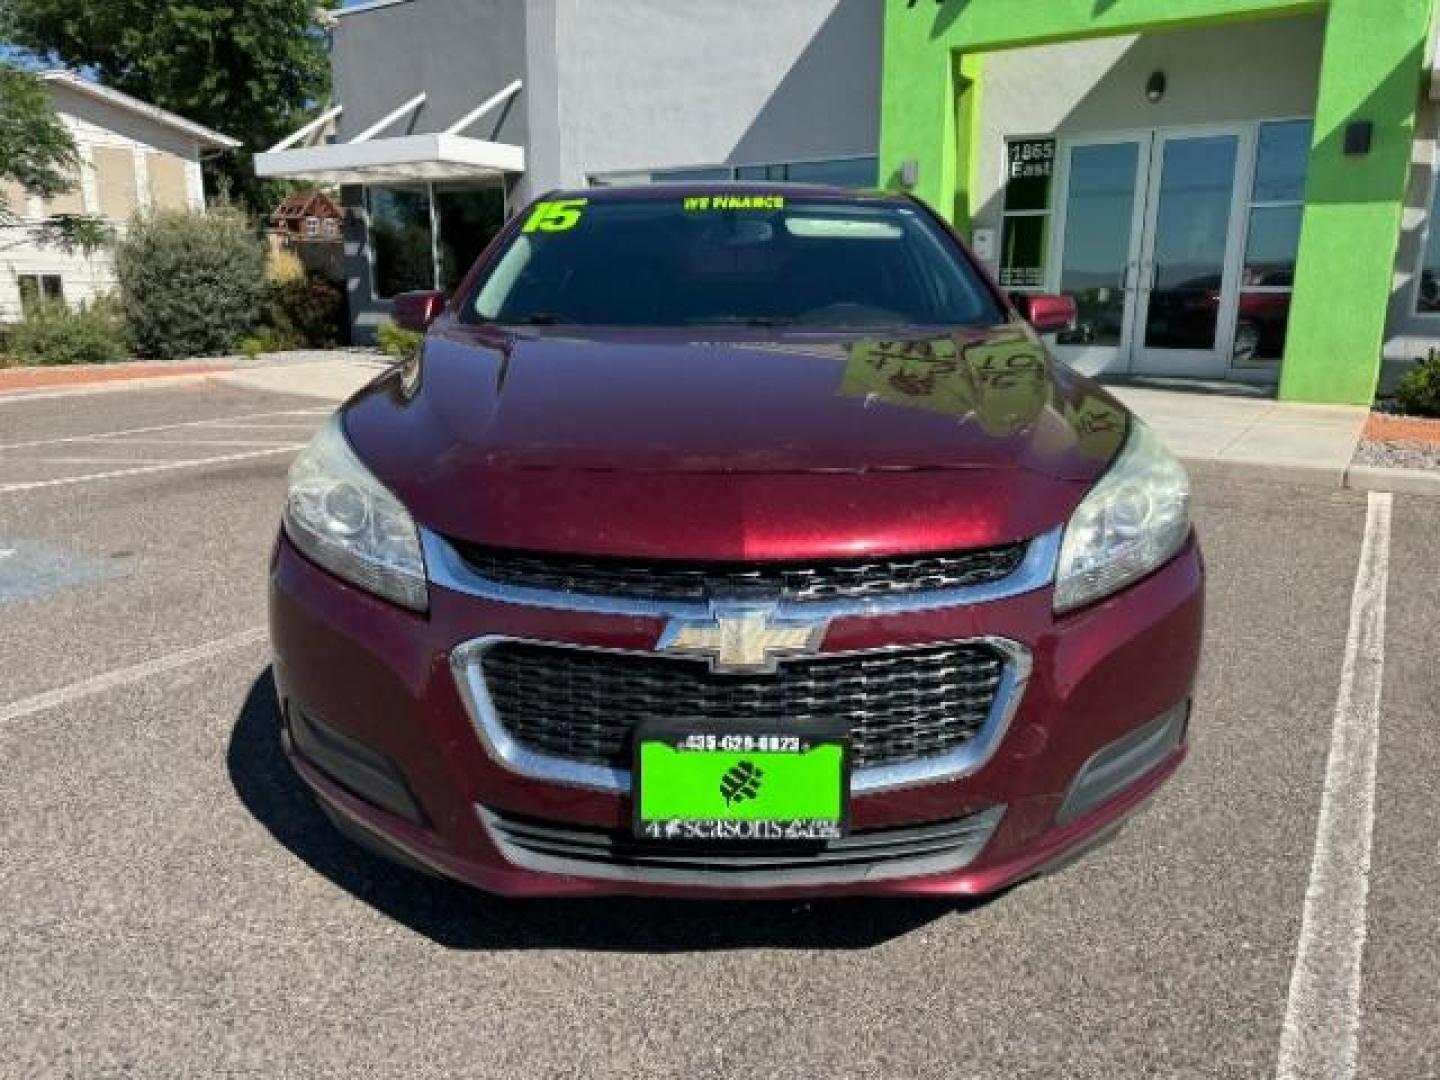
[731,259]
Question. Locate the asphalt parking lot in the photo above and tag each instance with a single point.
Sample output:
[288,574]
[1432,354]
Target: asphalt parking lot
[174,906]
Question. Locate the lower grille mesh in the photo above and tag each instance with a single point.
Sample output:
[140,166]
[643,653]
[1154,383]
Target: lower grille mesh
[863,856]
[899,706]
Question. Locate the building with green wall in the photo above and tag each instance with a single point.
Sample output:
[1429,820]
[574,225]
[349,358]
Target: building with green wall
[1234,189]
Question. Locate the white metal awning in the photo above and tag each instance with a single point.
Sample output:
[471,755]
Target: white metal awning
[365,159]
[407,157]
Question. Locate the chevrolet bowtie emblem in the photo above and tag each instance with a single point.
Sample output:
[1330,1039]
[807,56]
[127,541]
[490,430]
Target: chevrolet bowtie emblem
[742,638]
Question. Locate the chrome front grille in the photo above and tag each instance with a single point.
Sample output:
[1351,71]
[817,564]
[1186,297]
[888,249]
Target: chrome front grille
[901,706]
[664,580]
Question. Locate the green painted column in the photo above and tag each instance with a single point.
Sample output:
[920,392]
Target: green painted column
[1371,70]
[918,114]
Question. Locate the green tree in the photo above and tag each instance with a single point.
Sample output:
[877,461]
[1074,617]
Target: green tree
[38,153]
[253,70]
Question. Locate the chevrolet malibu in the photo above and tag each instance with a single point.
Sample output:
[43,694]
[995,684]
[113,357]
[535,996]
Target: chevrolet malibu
[734,541]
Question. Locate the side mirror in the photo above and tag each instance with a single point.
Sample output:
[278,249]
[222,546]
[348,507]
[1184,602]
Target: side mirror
[1046,312]
[417,310]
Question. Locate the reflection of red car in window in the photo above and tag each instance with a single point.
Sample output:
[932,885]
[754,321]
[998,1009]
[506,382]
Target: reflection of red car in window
[1260,333]
[1186,316]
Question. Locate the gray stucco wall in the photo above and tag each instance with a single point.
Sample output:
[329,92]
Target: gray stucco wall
[612,86]
[655,83]
[458,52]
[1251,71]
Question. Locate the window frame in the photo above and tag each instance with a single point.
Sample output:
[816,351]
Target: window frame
[1428,229]
[645,175]
[1047,236]
[432,188]
[42,293]
[1252,204]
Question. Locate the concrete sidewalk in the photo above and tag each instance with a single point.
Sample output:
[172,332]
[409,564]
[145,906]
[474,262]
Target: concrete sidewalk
[328,375]
[1311,443]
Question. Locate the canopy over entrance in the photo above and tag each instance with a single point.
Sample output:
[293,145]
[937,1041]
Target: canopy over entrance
[365,159]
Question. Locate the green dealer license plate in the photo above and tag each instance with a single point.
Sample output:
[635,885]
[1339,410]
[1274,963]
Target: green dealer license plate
[716,781]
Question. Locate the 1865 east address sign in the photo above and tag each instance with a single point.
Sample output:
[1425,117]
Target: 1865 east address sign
[1032,159]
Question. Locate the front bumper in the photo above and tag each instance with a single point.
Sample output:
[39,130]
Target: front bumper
[379,678]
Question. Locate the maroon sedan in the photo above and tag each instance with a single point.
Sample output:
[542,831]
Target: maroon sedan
[734,541]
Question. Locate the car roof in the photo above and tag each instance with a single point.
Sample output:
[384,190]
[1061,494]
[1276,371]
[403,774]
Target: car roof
[630,192]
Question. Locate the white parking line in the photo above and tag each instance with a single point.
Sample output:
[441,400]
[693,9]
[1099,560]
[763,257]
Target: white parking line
[90,461]
[64,695]
[120,474]
[129,441]
[303,425]
[161,427]
[1321,1034]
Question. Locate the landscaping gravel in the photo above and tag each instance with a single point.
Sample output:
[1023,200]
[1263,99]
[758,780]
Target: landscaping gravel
[1398,455]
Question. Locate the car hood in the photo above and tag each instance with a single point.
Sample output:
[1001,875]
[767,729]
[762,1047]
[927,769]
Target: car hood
[752,444]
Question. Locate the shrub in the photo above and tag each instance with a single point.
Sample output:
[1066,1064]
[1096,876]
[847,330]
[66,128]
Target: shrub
[397,341]
[284,266]
[52,333]
[1419,391]
[308,312]
[191,284]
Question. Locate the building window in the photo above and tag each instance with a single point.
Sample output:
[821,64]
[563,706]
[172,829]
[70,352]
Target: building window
[312,226]
[1427,286]
[331,228]
[857,172]
[1025,222]
[400,239]
[428,237]
[842,172]
[1272,240]
[35,288]
[468,219]
[692,176]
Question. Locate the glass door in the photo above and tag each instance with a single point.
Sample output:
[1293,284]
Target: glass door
[1187,297]
[1102,182]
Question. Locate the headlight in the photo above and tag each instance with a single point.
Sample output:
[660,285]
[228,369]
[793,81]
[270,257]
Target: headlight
[1134,520]
[343,518]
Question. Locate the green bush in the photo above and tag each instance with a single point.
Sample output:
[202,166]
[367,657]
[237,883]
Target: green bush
[1419,391]
[306,313]
[397,341]
[191,284]
[51,333]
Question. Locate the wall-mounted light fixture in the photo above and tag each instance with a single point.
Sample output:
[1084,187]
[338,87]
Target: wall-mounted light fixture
[1358,136]
[1155,88]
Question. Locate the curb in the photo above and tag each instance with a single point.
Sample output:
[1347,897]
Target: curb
[111,386]
[1424,482]
[1320,477]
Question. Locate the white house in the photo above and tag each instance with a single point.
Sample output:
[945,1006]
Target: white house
[134,157]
